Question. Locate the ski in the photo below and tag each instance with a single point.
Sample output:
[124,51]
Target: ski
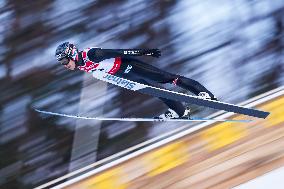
[172,95]
[141,119]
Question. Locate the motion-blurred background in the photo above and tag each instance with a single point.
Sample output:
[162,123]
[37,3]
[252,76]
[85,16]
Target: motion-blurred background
[234,48]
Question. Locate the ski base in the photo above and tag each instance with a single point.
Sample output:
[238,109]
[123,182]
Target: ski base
[184,119]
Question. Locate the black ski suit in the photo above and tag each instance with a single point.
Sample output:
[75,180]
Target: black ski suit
[136,70]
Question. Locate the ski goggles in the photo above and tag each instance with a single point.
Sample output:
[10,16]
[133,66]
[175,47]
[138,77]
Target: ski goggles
[64,61]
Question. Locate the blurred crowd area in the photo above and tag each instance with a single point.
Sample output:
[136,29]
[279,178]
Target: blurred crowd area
[234,48]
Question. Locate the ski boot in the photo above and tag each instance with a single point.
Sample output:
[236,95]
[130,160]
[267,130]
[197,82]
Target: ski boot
[206,96]
[186,114]
[169,114]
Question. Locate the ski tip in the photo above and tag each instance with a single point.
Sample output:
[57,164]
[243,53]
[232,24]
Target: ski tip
[266,115]
[39,111]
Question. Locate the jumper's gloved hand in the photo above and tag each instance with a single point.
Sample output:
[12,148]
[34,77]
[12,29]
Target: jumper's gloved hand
[152,52]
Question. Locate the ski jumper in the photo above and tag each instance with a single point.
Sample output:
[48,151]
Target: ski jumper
[121,63]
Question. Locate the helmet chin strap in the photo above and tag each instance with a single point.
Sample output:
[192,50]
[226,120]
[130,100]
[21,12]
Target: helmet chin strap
[79,62]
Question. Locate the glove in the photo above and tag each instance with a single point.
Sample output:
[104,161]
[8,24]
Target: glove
[152,52]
